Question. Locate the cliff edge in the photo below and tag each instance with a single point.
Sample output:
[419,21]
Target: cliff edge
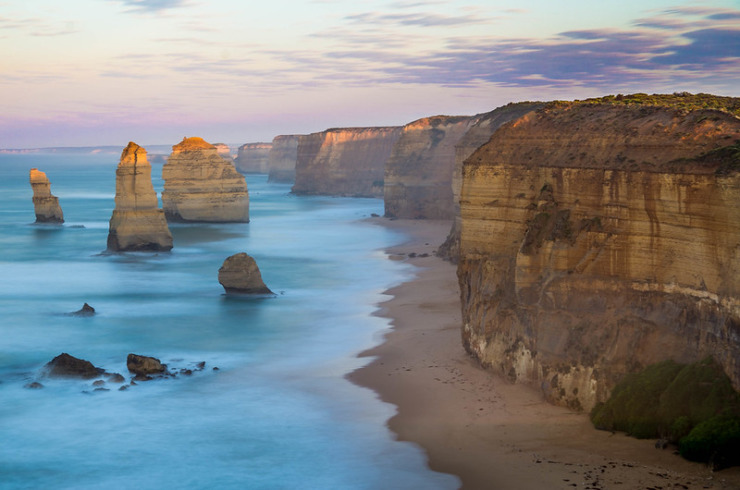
[601,236]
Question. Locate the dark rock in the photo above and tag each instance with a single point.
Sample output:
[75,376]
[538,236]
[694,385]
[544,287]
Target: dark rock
[101,389]
[186,372]
[374,215]
[200,366]
[86,310]
[99,382]
[115,378]
[240,274]
[68,366]
[123,388]
[661,444]
[144,365]
[34,386]
[215,368]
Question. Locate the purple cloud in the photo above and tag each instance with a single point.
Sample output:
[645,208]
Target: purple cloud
[152,6]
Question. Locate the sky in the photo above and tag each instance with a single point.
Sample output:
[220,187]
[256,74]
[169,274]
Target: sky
[105,72]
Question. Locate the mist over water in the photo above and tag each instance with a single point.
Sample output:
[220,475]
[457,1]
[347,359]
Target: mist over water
[278,412]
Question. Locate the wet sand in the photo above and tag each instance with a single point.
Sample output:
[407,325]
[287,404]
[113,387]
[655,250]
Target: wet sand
[472,423]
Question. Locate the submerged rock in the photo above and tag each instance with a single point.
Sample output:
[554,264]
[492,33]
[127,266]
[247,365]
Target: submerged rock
[86,310]
[46,206]
[144,365]
[137,223]
[66,366]
[34,386]
[240,274]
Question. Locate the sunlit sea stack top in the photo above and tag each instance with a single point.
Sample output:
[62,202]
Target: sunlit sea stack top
[46,206]
[200,185]
[137,223]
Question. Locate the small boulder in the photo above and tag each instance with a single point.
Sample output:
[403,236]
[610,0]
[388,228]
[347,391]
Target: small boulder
[142,366]
[99,382]
[34,386]
[67,366]
[115,378]
[239,274]
[86,310]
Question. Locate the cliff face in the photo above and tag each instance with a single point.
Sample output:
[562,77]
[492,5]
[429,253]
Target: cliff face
[45,205]
[224,151]
[137,223]
[476,136]
[598,238]
[418,174]
[282,158]
[199,185]
[344,161]
[253,158]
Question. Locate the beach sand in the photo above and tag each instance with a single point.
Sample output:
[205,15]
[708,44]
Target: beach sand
[474,424]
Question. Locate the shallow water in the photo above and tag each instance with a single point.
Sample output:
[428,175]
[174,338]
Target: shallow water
[277,414]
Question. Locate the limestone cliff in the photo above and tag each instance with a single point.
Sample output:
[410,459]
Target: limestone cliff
[137,223]
[253,158]
[282,158]
[199,185]
[476,136]
[45,204]
[225,151]
[602,236]
[344,161]
[418,174]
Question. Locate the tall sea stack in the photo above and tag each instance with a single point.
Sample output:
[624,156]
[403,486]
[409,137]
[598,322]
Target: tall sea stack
[201,186]
[45,205]
[137,223]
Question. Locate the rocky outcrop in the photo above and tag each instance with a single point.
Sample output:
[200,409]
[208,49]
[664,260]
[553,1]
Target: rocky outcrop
[45,205]
[144,365]
[66,366]
[602,236]
[418,174]
[476,136]
[137,223]
[344,161]
[282,159]
[86,310]
[253,158]
[199,185]
[239,274]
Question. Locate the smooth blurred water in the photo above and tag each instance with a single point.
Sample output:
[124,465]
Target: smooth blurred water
[277,414]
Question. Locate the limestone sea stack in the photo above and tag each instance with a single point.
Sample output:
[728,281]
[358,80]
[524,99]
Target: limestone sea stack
[344,161]
[45,205]
[282,158]
[225,151]
[201,186]
[240,274]
[418,174]
[253,158]
[137,223]
[601,236]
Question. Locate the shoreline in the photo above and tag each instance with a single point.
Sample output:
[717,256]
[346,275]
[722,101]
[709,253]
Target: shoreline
[474,424]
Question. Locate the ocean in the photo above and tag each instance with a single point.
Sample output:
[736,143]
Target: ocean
[276,414]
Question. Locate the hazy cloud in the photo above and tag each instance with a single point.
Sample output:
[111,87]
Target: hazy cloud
[414,19]
[152,6]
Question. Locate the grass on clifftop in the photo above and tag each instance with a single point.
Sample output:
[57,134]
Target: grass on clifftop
[694,406]
[680,100]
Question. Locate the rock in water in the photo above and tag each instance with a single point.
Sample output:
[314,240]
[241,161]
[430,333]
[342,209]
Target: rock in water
[200,185]
[137,223]
[144,365]
[67,366]
[86,310]
[253,158]
[46,206]
[240,274]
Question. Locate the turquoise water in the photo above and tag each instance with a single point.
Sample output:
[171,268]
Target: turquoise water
[277,414]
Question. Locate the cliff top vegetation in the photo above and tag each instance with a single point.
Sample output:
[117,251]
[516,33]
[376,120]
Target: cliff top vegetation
[680,100]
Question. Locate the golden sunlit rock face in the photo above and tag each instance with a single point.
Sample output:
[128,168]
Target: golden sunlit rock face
[344,161]
[253,158]
[137,223]
[282,158]
[200,185]
[418,174]
[599,238]
[46,206]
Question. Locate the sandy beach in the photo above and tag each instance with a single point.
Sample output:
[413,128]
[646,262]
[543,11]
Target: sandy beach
[474,424]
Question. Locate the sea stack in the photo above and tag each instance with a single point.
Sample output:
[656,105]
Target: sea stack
[201,186]
[46,206]
[240,274]
[137,223]
[282,159]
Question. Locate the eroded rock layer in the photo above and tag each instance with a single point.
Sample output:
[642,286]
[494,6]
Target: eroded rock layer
[253,158]
[476,136]
[200,185]
[137,223]
[45,204]
[600,237]
[418,174]
[282,159]
[344,161]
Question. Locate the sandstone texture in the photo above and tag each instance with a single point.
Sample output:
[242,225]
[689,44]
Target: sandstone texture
[418,174]
[137,223]
[344,161]
[476,136]
[200,185]
[240,274]
[144,365]
[599,237]
[253,158]
[45,205]
[282,159]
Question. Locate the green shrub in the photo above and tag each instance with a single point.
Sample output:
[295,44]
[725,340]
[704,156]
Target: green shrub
[716,441]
